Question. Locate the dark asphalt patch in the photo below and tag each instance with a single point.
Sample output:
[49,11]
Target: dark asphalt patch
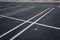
[37,32]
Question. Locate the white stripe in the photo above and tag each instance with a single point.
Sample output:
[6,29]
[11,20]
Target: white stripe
[53,27]
[11,18]
[30,25]
[10,7]
[22,23]
[32,22]
[49,26]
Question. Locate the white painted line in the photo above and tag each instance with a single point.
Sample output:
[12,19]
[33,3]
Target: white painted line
[49,26]
[30,25]
[11,18]
[31,22]
[22,23]
[53,27]
[10,8]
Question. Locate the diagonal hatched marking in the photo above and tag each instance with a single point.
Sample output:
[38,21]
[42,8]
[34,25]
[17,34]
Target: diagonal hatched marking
[30,25]
[23,23]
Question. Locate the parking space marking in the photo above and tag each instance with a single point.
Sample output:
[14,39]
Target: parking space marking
[30,25]
[31,22]
[2,16]
[23,23]
[49,26]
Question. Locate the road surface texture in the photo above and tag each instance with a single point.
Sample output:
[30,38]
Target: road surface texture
[29,21]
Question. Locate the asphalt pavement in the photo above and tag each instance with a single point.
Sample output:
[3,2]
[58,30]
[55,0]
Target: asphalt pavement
[29,21]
